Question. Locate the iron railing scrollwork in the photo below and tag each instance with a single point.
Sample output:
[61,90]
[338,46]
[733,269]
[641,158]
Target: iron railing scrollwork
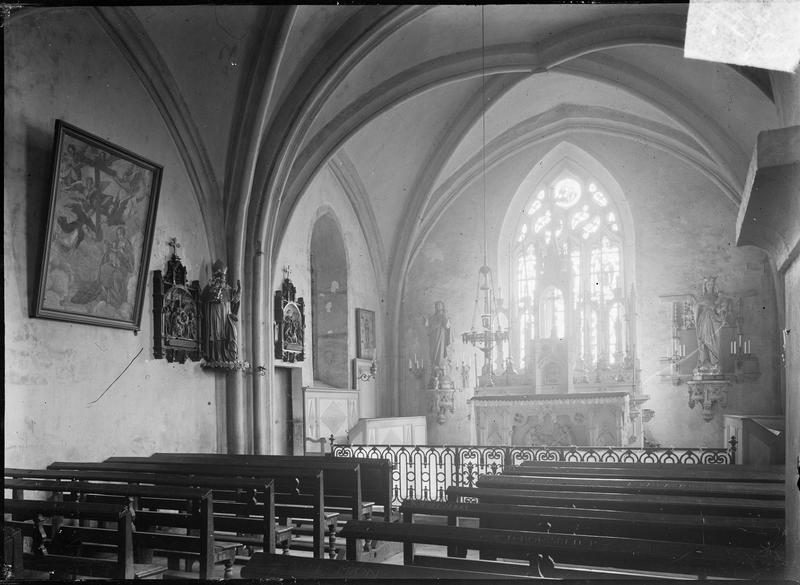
[426,471]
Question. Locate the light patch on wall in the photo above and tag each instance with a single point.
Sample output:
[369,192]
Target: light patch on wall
[334,286]
[433,253]
[743,32]
[328,307]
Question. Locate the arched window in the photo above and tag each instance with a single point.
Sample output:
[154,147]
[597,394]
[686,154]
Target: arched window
[570,279]
[329,305]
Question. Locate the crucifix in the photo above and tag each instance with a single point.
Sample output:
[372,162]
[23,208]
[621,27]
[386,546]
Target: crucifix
[173,243]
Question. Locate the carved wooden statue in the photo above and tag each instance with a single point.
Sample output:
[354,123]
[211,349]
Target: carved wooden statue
[220,320]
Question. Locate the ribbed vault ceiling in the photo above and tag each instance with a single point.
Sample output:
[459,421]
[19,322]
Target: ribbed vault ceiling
[398,92]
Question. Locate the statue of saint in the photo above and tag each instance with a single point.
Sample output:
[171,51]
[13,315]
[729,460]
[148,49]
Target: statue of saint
[711,315]
[438,326]
[220,308]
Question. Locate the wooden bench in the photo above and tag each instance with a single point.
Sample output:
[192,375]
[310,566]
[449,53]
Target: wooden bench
[343,482]
[12,553]
[291,508]
[673,471]
[29,516]
[298,491]
[189,508]
[695,505]
[541,549]
[376,474]
[233,496]
[517,477]
[718,530]
[264,567]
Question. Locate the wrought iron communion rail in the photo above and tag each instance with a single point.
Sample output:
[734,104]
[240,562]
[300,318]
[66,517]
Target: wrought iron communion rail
[426,471]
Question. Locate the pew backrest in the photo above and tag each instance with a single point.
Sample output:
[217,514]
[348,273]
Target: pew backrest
[376,474]
[343,482]
[515,477]
[738,531]
[674,471]
[602,551]
[630,502]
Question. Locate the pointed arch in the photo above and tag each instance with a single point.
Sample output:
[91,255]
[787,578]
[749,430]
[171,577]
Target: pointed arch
[592,224]
[330,271]
[568,155]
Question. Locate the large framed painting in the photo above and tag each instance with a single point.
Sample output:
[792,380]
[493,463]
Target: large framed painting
[365,334]
[99,233]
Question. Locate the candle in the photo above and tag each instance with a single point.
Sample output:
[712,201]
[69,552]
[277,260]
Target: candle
[409,363]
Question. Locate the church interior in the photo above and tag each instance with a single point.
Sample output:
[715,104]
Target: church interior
[415,291]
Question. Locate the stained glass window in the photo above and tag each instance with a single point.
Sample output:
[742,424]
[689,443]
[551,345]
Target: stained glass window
[575,216]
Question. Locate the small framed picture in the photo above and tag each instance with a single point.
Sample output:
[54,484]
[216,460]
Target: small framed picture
[365,334]
[103,204]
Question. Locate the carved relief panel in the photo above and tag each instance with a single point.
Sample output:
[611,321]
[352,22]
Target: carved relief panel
[176,315]
[290,323]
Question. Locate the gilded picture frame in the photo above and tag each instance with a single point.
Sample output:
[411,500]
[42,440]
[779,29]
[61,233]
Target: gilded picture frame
[99,233]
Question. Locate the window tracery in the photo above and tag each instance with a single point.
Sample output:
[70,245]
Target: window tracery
[570,277]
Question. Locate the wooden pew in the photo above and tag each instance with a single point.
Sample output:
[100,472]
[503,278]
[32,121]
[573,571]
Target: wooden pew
[619,501]
[297,490]
[12,553]
[718,530]
[376,474]
[193,510]
[343,481]
[290,507]
[63,565]
[269,567]
[673,471]
[519,478]
[540,549]
[232,496]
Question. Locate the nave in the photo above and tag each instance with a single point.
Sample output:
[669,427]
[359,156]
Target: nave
[367,289]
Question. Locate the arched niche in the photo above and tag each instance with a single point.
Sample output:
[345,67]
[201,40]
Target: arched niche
[329,306]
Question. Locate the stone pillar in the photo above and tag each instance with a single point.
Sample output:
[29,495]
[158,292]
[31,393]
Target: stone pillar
[235,409]
[769,217]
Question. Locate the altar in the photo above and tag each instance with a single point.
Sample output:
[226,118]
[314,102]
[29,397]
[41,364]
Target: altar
[561,403]
[513,416]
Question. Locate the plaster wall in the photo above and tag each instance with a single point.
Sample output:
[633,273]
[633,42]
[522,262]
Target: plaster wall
[56,372]
[326,195]
[684,231]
